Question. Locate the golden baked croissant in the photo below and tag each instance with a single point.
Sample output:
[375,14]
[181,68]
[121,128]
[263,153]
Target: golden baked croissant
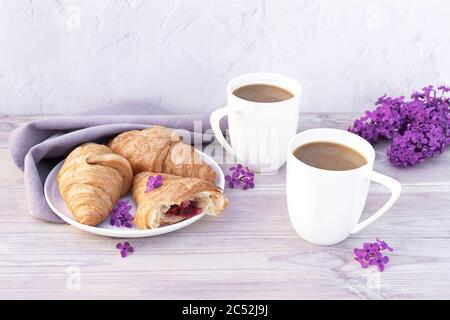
[159,149]
[91,180]
[175,200]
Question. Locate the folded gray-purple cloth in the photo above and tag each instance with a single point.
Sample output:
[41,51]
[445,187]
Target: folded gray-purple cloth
[39,145]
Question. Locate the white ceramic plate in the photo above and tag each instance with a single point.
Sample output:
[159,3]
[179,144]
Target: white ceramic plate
[57,204]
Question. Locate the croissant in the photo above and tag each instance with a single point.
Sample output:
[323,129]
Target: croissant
[175,200]
[91,180]
[159,149]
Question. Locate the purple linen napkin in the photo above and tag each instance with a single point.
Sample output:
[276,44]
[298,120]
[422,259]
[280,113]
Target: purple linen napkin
[39,145]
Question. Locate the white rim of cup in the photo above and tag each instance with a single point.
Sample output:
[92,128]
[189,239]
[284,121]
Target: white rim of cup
[367,166]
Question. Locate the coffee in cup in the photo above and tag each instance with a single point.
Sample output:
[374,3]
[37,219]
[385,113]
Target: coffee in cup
[329,156]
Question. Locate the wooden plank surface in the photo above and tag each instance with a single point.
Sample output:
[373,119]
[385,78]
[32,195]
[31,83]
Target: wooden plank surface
[249,252]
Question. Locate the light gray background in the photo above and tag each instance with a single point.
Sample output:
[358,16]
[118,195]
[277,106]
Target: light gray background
[65,56]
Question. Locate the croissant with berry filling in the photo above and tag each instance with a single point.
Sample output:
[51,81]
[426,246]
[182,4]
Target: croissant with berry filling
[91,180]
[167,199]
[159,149]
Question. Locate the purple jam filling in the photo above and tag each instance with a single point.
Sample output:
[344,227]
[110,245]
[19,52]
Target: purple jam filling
[186,209]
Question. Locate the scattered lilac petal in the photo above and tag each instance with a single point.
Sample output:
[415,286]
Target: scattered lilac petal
[240,176]
[154,182]
[371,254]
[120,215]
[384,245]
[125,248]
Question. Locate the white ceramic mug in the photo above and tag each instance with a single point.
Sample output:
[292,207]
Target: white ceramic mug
[259,132]
[325,206]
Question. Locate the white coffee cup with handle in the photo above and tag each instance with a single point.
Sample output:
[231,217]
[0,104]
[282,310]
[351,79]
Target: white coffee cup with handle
[325,206]
[259,131]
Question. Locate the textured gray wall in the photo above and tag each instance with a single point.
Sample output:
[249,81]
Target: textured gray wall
[65,56]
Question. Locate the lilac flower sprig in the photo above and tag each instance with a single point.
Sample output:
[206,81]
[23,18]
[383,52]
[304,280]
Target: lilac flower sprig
[154,182]
[120,215]
[125,248]
[419,128]
[240,175]
[370,254]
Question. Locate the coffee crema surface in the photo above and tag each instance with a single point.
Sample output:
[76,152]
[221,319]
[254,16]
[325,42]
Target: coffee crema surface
[329,156]
[260,92]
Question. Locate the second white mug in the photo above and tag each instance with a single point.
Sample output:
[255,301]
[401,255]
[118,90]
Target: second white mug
[259,132]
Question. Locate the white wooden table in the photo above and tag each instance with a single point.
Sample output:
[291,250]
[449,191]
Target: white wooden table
[251,251]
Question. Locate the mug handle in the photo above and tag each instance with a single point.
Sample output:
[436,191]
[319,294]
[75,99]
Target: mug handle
[215,118]
[395,188]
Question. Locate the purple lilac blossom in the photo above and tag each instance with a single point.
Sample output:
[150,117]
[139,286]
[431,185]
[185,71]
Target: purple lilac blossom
[240,175]
[125,248]
[371,254]
[154,182]
[419,128]
[120,215]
